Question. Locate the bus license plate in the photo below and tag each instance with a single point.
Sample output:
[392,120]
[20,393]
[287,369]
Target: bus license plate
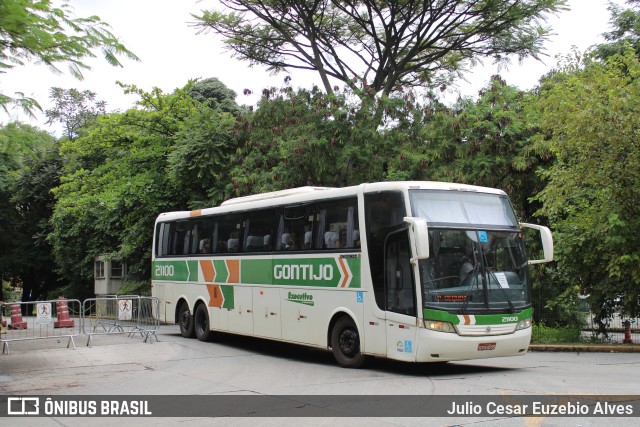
[486,346]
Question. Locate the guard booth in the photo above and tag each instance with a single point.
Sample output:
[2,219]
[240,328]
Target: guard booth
[109,275]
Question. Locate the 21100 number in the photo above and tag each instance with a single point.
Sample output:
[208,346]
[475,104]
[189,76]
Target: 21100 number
[164,271]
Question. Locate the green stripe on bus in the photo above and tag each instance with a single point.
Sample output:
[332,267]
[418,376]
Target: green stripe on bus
[480,319]
[178,271]
[227,292]
[222,272]
[328,272]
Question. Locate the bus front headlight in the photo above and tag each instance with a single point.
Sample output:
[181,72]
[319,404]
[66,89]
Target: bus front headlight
[438,326]
[524,324]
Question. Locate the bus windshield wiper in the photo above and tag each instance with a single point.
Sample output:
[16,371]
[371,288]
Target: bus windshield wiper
[472,282]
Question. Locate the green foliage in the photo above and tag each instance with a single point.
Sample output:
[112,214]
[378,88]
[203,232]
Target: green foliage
[590,119]
[8,294]
[74,109]
[29,168]
[124,171]
[626,30]
[567,308]
[199,159]
[136,287]
[543,334]
[306,138]
[215,95]
[482,142]
[40,31]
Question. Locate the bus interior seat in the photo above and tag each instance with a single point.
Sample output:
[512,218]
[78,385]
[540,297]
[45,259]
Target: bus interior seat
[233,245]
[284,241]
[255,243]
[331,239]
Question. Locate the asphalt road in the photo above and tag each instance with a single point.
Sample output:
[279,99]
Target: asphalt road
[116,365]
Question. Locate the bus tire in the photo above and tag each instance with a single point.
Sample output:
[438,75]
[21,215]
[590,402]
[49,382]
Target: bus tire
[201,323]
[345,343]
[185,320]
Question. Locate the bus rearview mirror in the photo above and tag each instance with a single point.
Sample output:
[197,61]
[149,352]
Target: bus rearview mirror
[419,236]
[547,242]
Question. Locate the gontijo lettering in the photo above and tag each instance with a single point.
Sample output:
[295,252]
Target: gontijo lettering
[303,272]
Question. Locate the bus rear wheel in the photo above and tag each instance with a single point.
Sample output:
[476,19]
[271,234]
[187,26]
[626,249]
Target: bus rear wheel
[201,323]
[345,344]
[185,320]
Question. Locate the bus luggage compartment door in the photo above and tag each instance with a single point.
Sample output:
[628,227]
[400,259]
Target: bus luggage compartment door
[266,306]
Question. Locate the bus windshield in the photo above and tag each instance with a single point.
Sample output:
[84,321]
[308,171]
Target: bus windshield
[477,259]
[475,271]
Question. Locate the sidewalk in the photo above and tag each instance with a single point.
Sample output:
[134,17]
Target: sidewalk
[591,348]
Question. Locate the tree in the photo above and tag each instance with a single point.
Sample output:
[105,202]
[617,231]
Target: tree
[496,148]
[29,168]
[33,202]
[306,137]
[74,109]
[214,94]
[592,197]
[126,169]
[484,142]
[376,45]
[626,30]
[38,30]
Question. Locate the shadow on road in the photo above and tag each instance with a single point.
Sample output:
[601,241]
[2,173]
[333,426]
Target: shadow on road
[301,353]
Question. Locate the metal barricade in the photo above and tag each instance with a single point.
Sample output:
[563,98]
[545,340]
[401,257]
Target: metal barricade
[122,314]
[40,320]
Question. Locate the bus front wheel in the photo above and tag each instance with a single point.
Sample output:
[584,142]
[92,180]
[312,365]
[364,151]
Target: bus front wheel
[345,344]
[201,323]
[185,320]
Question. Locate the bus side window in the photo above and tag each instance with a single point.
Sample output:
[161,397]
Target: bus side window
[163,239]
[258,229]
[295,228]
[201,233]
[179,238]
[226,234]
[337,225]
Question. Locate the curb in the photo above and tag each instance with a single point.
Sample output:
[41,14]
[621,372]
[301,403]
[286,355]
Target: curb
[628,348]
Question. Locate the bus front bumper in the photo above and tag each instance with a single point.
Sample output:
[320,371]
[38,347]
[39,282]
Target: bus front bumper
[442,346]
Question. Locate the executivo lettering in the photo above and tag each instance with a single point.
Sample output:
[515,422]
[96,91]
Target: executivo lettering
[304,298]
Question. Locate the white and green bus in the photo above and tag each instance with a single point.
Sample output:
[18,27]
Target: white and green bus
[412,271]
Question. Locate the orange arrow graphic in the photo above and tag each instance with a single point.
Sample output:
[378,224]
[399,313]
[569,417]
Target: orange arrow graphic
[346,278]
[208,271]
[233,265]
[215,296]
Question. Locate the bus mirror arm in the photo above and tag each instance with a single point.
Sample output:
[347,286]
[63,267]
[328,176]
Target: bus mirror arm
[419,236]
[547,242]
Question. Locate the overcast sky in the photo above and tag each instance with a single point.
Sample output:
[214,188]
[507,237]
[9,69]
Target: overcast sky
[171,52]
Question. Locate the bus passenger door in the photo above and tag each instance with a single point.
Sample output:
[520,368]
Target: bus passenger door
[400,298]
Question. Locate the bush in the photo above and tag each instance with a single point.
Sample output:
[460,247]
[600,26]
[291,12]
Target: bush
[9,294]
[542,334]
[140,288]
